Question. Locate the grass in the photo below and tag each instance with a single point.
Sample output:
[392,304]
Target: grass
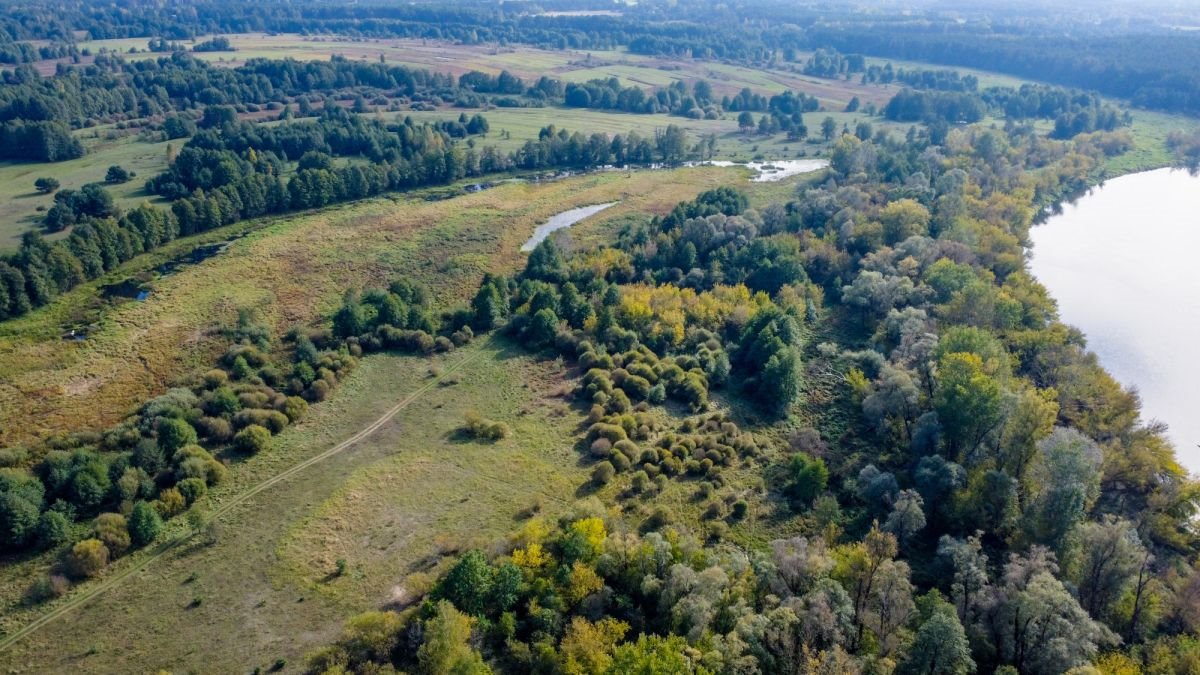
[523,124]
[293,270]
[19,202]
[391,505]
[1150,130]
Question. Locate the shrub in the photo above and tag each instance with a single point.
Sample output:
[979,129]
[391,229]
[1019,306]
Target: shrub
[144,524]
[87,559]
[195,462]
[46,184]
[170,503]
[252,439]
[215,378]
[740,509]
[47,588]
[603,473]
[295,408]
[192,489]
[641,481]
[53,529]
[601,447]
[112,530]
[613,433]
[217,429]
[484,429]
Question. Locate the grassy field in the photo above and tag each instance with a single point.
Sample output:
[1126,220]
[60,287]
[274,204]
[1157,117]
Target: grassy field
[19,202]
[392,506]
[292,270]
[524,124]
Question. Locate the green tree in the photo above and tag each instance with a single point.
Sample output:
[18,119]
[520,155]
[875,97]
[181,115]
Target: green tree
[468,584]
[447,648]
[746,121]
[940,646]
[967,401]
[808,477]
[828,128]
[542,328]
[46,184]
[118,174]
[1108,555]
[902,219]
[53,530]
[545,262]
[653,655]
[144,523]
[173,434]
[351,319]
[21,498]
[1063,484]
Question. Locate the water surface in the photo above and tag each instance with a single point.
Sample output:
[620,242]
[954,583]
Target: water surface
[1122,263]
[777,169]
[558,222]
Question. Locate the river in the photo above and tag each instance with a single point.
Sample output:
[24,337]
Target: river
[1122,263]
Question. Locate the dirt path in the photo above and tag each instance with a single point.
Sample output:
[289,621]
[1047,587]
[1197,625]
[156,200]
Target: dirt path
[167,546]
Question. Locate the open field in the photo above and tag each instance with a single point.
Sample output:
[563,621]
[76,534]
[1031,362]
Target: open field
[525,123]
[413,491]
[526,62]
[393,504]
[293,270]
[19,201]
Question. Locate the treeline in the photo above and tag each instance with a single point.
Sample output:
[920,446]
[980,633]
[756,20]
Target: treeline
[833,64]
[1073,112]
[1152,70]
[236,171]
[114,89]
[39,141]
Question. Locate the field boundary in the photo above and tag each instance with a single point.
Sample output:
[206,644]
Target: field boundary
[171,544]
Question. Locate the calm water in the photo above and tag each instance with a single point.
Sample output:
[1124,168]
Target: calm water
[771,171]
[558,222]
[1122,263]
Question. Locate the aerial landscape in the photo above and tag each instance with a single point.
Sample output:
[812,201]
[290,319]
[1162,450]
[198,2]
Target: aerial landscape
[599,337]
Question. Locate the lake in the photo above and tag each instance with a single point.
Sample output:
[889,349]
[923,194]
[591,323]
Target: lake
[1122,263]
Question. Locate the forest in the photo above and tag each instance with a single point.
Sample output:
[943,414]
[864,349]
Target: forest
[729,423]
